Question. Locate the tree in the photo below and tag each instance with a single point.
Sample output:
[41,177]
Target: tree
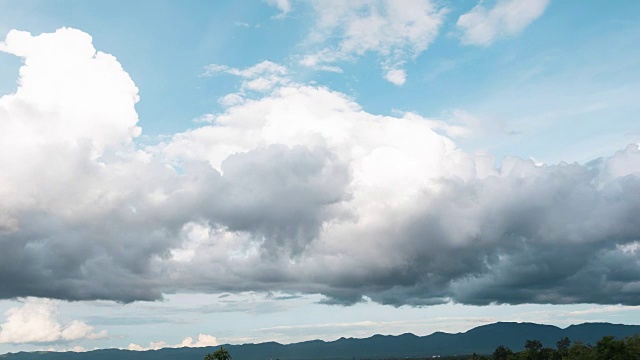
[220,354]
[633,347]
[611,349]
[563,346]
[502,353]
[548,354]
[533,345]
[478,357]
[579,351]
[532,350]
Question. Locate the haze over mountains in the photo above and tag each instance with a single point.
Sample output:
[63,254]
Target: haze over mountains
[482,340]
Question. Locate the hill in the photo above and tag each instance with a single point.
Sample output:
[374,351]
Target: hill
[482,339]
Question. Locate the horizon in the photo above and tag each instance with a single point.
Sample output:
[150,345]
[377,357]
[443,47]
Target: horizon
[333,340]
[286,170]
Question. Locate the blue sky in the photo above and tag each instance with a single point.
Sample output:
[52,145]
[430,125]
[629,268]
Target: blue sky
[289,170]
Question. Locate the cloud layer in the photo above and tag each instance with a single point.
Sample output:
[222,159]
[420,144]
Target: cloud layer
[295,190]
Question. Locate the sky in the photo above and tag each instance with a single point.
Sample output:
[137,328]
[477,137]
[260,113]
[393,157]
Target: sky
[201,173]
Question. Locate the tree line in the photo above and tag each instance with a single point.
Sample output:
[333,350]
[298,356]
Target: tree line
[607,348]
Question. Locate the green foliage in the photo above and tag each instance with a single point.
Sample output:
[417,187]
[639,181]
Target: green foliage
[562,347]
[502,353]
[580,351]
[220,354]
[607,348]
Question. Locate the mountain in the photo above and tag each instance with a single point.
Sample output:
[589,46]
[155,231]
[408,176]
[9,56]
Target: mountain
[482,339]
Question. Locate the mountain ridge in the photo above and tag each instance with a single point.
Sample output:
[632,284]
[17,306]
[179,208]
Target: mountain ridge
[482,339]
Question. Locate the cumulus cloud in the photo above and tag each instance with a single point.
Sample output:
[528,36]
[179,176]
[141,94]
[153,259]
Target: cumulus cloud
[154,345]
[482,26]
[75,348]
[204,340]
[294,189]
[396,76]
[35,322]
[396,31]
[423,222]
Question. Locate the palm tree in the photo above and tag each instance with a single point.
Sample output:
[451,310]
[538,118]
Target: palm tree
[220,354]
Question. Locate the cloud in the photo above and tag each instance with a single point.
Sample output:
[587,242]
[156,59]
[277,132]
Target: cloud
[283,5]
[154,345]
[35,322]
[604,310]
[396,76]
[295,189]
[241,24]
[482,26]
[396,31]
[204,340]
[439,224]
[76,348]
[66,147]
[261,77]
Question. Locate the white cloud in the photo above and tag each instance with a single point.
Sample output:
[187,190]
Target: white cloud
[261,77]
[35,322]
[604,310]
[314,61]
[204,340]
[283,5]
[77,330]
[396,76]
[396,31]
[482,26]
[452,128]
[76,348]
[154,345]
[73,105]
[96,104]
[231,100]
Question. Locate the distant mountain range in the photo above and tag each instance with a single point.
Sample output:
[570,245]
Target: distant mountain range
[482,340]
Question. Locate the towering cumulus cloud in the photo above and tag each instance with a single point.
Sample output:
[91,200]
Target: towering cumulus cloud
[292,188]
[70,176]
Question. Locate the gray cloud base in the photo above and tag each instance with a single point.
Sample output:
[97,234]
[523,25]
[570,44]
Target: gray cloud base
[563,233]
